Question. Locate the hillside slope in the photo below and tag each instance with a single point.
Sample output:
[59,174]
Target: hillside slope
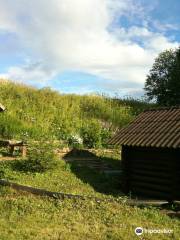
[44,113]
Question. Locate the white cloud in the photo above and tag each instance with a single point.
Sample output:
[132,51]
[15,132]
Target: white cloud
[163,27]
[73,35]
[29,73]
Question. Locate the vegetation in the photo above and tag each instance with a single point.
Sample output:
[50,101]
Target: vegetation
[46,114]
[163,82]
[64,177]
[24,216]
[40,158]
[49,120]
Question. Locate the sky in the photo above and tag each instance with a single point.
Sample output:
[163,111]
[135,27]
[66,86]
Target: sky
[86,46]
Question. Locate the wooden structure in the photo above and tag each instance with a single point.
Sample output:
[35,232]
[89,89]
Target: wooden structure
[151,154]
[12,144]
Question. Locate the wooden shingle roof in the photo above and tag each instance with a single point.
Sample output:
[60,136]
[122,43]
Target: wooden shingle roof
[152,128]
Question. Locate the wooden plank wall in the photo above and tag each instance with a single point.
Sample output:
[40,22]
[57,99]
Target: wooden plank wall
[152,172]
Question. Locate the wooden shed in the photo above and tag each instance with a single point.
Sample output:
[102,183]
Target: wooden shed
[151,154]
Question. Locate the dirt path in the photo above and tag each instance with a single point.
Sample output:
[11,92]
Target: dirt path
[7,158]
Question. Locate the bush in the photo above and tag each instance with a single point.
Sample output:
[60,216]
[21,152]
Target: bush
[75,141]
[105,136]
[40,158]
[91,133]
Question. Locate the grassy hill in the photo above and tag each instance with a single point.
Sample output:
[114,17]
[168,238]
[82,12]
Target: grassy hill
[44,113]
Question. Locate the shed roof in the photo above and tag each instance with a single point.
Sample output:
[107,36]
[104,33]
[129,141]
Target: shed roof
[152,128]
[2,108]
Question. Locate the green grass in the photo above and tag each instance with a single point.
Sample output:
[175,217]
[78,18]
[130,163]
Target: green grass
[25,216]
[29,217]
[34,114]
[46,114]
[64,178]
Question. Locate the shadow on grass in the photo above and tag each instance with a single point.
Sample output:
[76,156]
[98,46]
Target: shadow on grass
[20,165]
[80,163]
[5,153]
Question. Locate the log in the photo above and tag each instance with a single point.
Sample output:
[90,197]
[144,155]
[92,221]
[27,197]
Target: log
[58,195]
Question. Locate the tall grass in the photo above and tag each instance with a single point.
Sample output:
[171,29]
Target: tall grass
[43,113]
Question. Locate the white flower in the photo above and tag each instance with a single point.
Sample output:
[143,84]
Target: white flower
[76,139]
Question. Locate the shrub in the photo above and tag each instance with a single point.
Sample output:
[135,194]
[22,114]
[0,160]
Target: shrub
[105,136]
[40,158]
[91,133]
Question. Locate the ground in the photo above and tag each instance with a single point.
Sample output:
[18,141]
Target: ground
[25,216]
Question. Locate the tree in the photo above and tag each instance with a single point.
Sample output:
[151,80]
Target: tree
[163,82]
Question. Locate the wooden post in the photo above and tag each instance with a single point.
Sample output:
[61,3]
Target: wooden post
[24,151]
[11,149]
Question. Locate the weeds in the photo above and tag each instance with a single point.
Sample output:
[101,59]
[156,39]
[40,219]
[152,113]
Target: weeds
[40,158]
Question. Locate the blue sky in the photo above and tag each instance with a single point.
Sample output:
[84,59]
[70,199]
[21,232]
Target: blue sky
[85,46]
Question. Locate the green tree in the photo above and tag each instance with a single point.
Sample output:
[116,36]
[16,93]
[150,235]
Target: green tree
[163,82]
